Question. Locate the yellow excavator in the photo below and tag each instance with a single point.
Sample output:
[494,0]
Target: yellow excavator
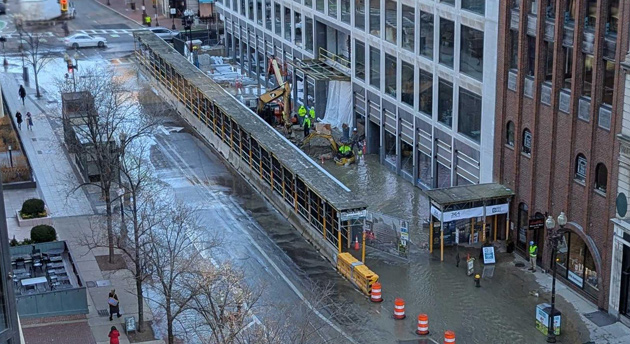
[283,111]
[340,159]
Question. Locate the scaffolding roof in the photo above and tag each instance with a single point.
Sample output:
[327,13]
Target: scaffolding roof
[319,70]
[469,193]
[295,160]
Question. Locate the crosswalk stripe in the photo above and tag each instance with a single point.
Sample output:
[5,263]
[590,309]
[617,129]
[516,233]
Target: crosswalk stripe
[114,35]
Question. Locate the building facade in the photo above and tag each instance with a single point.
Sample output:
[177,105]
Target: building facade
[422,73]
[9,327]
[559,107]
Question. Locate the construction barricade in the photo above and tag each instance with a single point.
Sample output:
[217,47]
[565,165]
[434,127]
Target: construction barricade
[356,272]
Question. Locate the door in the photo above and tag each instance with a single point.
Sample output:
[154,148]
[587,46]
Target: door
[624,295]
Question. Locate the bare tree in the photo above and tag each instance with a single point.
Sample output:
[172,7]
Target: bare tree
[111,120]
[37,54]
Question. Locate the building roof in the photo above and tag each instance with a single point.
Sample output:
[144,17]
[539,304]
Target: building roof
[294,159]
[469,193]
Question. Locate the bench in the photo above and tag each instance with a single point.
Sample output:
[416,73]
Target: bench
[130,325]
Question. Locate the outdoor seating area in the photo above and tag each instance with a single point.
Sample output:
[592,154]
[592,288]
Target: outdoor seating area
[42,271]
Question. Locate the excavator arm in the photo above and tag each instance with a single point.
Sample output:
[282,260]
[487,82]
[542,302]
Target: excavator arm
[283,90]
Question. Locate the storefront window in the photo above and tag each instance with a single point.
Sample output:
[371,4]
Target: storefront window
[375,17]
[471,57]
[424,169]
[406,157]
[426,92]
[522,225]
[391,22]
[308,33]
[469,117]
[390,147]
[390,75]
[590,272]
[375,67]
[477,6]
[408,27]
[445,103]
[426,35]
[345,11]
[575,263]
[359,14]
[576,260]
[359,57]
[447,41]
[407,92]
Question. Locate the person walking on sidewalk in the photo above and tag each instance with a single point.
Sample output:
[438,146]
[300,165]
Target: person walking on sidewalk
[533,253]
[29,121]
[22,93]
[114,304]
[113,335]
[18,118]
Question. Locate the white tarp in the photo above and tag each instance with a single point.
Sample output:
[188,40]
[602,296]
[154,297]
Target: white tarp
[339,106]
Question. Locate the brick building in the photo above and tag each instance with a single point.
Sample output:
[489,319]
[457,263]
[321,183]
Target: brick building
[559,108]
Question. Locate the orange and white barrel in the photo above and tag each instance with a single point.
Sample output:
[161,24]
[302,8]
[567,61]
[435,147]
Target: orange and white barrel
[399,309]
[423,325]
[375,294]
[449,337]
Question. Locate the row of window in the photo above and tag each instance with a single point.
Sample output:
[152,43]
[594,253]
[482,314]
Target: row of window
[601,172]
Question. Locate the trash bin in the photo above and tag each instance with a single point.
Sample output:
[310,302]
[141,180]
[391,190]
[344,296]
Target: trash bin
[543,311]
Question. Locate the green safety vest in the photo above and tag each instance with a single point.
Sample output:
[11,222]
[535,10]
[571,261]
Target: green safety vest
[533,251]
[302,111]
[307,122]
[344,149]
[312,113]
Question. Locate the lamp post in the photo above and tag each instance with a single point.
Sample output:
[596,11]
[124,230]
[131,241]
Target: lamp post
[24,68]
[554,235]
[10,155]
[173,11]
[5,63]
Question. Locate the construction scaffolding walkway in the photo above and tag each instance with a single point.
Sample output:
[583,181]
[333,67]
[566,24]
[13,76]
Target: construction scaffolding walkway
[314,202]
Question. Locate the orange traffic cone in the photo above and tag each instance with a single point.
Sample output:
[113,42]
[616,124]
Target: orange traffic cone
[356,243]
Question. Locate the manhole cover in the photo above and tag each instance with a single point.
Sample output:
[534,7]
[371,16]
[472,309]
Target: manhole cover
[103,312]
[90,284]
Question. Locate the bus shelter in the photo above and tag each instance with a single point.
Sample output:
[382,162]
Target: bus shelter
[468,215]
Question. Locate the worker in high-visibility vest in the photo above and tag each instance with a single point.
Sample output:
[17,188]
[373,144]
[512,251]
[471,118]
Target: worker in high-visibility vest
[307,126]
[147,20]
[345,150]
[302,111]
[533,253]
[311,112]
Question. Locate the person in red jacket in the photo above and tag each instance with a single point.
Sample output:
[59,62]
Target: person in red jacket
[113,336]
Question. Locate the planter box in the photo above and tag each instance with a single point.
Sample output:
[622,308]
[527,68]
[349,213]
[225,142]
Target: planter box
[34,222]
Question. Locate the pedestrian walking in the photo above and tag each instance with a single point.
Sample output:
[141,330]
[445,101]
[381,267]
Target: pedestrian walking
[18,118]
[66,31]
[22,93]
[113,335]
[114,304]
[533,253]
[29,121]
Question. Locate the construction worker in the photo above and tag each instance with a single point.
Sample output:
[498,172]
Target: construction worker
[533,252]
[147,20]
[345,150]
[311,113]
[307,126]
[302,111]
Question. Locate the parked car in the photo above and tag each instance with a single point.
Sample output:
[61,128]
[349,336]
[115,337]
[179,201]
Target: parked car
[81,40]
[164,33]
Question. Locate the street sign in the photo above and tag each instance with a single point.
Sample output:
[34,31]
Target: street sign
[173,11]
[488,255]
[404,234]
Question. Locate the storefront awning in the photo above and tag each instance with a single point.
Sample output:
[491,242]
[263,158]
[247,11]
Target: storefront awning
[442,198]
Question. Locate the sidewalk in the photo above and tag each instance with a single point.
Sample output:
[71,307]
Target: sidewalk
[71,212]
[125,10]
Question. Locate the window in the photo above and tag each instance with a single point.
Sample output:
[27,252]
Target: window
[345,11]
[509,137]
[268,22]
[477,6]
[407,85]
[319,5]
[287,23]
[390,75]
[308,34]
[568,67]
[469,116]
[297,19]
[601,177]
[533,9]
[613,16]
[250,7]
[450,2]
[375,17]
[445,103]
[359,53]
[332,8]
[426,92]
[278,18]
[259,12]
[424,169]
[471,58]
[523,225]
[443,176]
[551,9]
[580,168]
[531,55]
[548,61]
[359,14]
[391,21]
[408,27]
[513,49]
[570,12]
[587,77]
[527,142]
[375,65]
[591,14]
[516,4]
[609,82]
[308,3]
[426,34]
[447,41]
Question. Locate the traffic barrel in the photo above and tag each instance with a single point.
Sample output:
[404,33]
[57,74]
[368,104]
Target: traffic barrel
[356,243]
[399,309]
[423,325]
[375,294]
[449,337]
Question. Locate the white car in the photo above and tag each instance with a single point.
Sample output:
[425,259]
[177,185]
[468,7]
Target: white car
[81,40]
[164,33]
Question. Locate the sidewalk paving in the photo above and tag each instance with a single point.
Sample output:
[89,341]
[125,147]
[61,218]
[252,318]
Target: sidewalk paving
[56,178]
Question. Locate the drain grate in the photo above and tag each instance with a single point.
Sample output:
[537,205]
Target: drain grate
[103,312]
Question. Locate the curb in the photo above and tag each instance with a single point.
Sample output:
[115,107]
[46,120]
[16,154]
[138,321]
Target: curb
[117,12]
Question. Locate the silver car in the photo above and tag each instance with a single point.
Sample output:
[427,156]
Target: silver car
[164,33]
[81,40]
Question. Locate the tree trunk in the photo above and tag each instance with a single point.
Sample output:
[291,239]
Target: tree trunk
[38,95]
[140,299]
[110,229]
[169,322]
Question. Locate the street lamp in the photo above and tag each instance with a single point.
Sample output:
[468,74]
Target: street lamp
[11,155]
[4,53]
[554,236]
[173,12]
